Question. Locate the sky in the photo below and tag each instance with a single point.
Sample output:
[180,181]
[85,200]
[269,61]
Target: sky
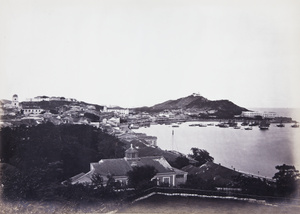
[139,53]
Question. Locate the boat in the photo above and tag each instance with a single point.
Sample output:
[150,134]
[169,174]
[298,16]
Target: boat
[244,123]
[237,127]
[295,125]
[175,125]
[280,124]
[202,125]
[264,125]
[223,125]
[248,128]
[232,123]
[210,124]
[255,123]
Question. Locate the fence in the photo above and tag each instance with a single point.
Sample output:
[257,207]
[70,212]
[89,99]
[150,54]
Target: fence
[135,196]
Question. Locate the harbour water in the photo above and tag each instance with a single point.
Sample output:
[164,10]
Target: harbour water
[253,151]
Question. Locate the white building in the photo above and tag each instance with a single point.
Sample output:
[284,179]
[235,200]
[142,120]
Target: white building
[28,111]
[253,114]
[118,110]
[15,101]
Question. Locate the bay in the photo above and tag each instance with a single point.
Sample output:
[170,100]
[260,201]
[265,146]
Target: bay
[252,151]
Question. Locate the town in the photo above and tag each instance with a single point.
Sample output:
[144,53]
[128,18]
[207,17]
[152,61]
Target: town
[115,120]
[129,151]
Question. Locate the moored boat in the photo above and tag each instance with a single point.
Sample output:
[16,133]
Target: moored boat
[264,125]
[255,123]
[280,124]
[223,125]
[244,123]
[295,125]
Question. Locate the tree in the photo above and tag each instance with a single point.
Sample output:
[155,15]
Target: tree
[140,176]
[92,117]
[45,155]
[286,179]
[180,162]
[196,182]
[97,181]
[201,155]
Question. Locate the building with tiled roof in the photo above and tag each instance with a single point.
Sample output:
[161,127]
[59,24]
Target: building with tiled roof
[118,169]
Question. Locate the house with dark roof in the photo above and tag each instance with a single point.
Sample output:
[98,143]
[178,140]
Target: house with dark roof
[118,169]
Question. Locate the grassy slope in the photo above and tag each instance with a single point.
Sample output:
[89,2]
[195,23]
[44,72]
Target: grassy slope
[176,204]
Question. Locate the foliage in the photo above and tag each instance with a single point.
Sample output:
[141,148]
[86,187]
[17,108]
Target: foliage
[45,155]
[201,155]
[180,162]
[140,176]
[92,117]
[286,179]
[53,111]
[97,181]
[254,186]
[195,182]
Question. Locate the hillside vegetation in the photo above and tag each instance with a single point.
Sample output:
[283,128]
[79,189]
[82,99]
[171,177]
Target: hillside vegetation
[198,104]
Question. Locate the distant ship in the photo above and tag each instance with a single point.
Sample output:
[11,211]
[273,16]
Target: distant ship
[264,125]
[244,123]
[280,124]
[296,125]
[223,125]
[255,123]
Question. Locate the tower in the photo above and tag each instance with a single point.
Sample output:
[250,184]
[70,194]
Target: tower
[131,156]
[15,101]
[131,153]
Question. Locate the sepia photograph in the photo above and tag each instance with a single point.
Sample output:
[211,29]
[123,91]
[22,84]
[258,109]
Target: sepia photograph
[149,106]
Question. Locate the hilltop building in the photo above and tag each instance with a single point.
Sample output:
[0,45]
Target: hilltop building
[32,110]
[118,169]
[15,101]
[46,98]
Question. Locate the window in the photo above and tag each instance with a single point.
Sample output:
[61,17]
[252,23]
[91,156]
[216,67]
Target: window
[166,180]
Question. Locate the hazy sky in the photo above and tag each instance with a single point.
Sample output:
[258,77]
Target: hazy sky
[139,52]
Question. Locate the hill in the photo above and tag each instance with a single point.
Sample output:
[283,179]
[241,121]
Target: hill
[199,105]
[51,105]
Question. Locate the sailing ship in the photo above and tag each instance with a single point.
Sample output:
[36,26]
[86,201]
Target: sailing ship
[295,125]
[280,124]
[245,123]
[264,125]
[223,125]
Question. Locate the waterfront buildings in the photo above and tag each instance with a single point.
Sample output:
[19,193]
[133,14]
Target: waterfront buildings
[254,114]
[117,110]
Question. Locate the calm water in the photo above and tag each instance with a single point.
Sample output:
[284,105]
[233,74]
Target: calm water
[253,151]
